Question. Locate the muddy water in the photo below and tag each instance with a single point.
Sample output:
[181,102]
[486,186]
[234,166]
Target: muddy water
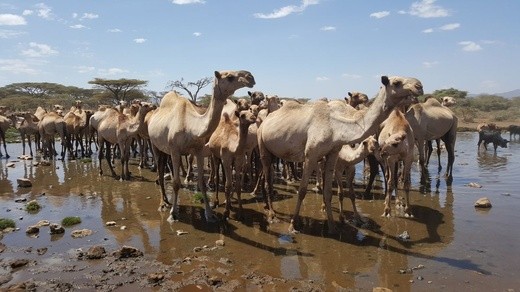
[452,245]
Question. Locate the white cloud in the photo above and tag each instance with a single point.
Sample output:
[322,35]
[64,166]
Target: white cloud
[470,46]
[44,11]
[85,69]
[77,26]
[450,26]
[380,14]
[322,78]
[39,50]
[74,15]
[16,66]
[197,34]
[427,9]
[7,34]
[328,28]
[114,30]
[489,84]
[27,12]
[89,16]
[428,30]
[12,19]
[350,76]
[139,40]
[287,10]
[428,64]
[183,2]
[111,71]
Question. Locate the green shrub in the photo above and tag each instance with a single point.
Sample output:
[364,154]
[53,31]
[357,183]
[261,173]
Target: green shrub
[33,207]
[198,198]
[6,223]
[69,221]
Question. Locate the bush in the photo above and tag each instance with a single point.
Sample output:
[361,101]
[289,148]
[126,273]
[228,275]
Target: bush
[69,221]
[33,207]
[6,223]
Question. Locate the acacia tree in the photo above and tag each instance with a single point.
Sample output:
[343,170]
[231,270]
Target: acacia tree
[121,89]
[199,84]
[458,94]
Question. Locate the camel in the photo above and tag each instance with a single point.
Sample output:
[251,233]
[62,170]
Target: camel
[117,128]
[5,124]
[176,129]
[356,99]
[430,121]
[27,126]
[256,97]
[348,157]
[307,133]
[396,141]
[50,124]
[227,145]
[76,121]
[446,101]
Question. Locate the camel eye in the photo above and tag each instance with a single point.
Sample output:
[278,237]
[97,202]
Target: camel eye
[398,83]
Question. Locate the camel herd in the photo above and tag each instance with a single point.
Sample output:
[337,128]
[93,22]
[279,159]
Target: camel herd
[250,138]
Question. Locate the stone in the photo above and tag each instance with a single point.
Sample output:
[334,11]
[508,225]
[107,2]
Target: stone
[42,223]
[483,203]
[96,252]
[10,164]
[154,278]
[56,229]
[81,233]
[32,229]
[220,242]
[18,263]
[24,183]
[127,252]
[110,223]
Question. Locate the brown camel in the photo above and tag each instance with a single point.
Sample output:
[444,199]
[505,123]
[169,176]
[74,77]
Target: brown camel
[227,145]
[76,121]
[176,129]
[27,126]
[117,128]
[356,99]
[430,121]
[307,133]
[256,97]
[396,140]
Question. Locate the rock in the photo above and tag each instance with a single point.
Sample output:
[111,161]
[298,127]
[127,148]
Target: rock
[32,229]
[41,250]
[20,200]
[18,263]
[181,232]
[474,185]
[220,242]
[483,203]
[197,249]
[123,227]
[111,223]
[10,164]
[42,223]
[127,252]
[45,163]
[2,247]
[404,236]
[24,182]
[96,252]
[81,233]
[154,278]
[56,229]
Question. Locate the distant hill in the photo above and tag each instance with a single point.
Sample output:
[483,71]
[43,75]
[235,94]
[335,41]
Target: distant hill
[509,94]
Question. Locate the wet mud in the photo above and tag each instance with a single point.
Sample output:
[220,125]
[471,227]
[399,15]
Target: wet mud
[449,244]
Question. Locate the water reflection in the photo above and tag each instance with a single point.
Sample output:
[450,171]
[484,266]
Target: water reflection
[489,160]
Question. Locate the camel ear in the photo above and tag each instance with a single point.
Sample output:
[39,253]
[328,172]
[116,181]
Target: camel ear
[217,74]
[237,114]
[385,80]
[249,93]
[349,94]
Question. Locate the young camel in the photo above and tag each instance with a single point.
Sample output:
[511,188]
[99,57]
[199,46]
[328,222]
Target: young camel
[227,145]
[348,157]
[176,129]
[308,133]
[397,144]
[356,99]
[118,128]
[50,124]
[76,122]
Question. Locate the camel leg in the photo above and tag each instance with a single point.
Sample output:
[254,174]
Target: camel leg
[268,189]
[407,165]
[100,157]
[176,181]
[374,170]
[308,168]
[161,166]
[330,164]
[338,176]
[2,137]
[228,186]
[389,175]
[108,158]
[210,216]
[22,136]
[351,173]
[30,146]
[239,174]
[216,174]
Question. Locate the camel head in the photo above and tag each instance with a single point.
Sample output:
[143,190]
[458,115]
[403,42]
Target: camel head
[371,144]
[400,90]
[256,97]
[392,144]
[242,104]
[227,82]
[448,101]
[356,98]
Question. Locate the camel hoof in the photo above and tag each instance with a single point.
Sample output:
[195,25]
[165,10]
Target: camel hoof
[172,219]
[292,230]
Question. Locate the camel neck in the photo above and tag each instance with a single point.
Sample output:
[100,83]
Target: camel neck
[211,118]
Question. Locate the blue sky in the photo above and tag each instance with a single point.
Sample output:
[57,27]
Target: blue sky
[294,48]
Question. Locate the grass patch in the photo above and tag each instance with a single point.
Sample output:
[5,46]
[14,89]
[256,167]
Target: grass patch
[86,160]
[198,198]
[69,221]
[33,207]
[6,223]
